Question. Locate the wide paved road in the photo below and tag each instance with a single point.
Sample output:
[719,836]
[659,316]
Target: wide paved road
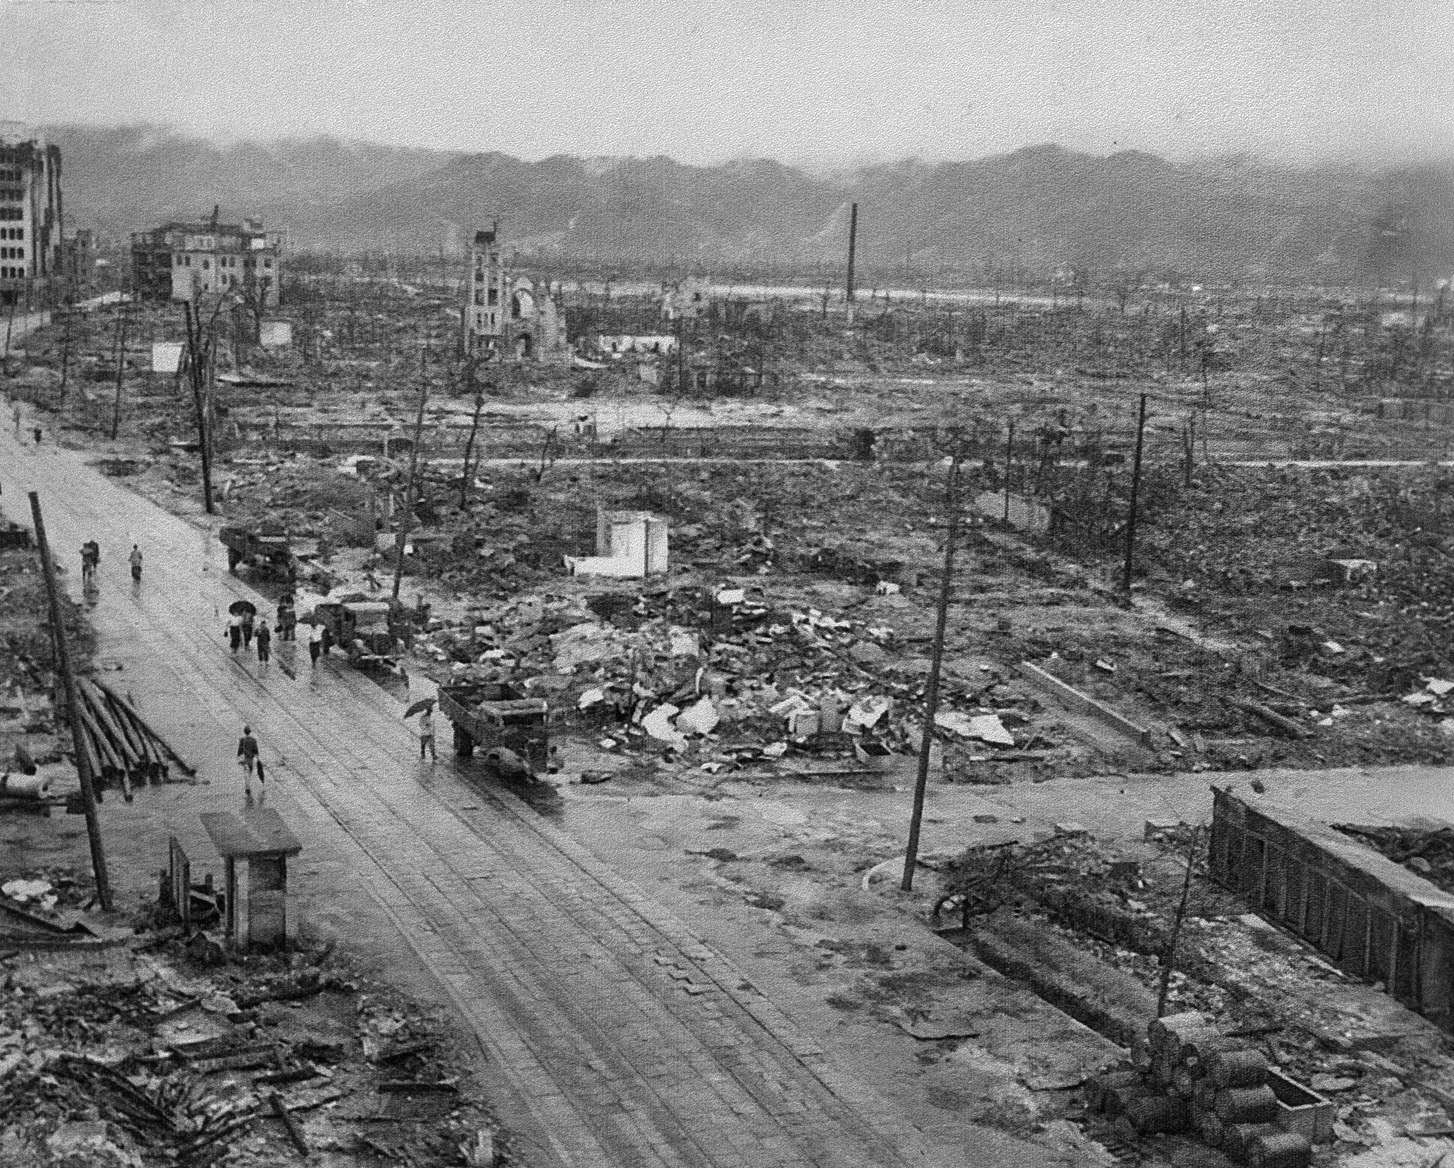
[631,1042]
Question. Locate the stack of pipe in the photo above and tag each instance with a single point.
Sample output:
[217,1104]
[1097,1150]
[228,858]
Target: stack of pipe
[1196,1079]
[118,743]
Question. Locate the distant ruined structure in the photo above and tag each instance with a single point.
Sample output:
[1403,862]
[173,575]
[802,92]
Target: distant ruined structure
[507,317]
[180,261]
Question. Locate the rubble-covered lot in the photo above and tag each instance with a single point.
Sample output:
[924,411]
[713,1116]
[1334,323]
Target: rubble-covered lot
[1281,616]
[1271,659]
[1089,927]
[146,1047]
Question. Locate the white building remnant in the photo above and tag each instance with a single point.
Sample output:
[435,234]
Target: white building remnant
[651,344]
[275,334]
[506,316]
[630,545]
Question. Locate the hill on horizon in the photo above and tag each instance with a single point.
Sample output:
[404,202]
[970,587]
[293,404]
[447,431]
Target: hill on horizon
[1030,213]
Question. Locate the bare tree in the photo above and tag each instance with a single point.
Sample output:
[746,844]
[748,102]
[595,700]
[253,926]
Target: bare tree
[467,473]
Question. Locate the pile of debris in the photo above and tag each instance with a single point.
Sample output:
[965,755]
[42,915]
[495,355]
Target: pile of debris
[157,1047]
[723,676]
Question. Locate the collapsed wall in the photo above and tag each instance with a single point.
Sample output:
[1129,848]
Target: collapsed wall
[1370,917]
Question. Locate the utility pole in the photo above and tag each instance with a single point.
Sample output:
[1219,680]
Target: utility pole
[65,355]
[196,373]
[1135,490]
[406,521]
[852,249]
[73,708]
[1009,462]
[120,368]
[936,661]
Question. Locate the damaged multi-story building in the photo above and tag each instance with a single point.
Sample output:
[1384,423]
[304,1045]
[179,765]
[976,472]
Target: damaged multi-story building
[79,256]
[31,219]
[180,261]
[506,316]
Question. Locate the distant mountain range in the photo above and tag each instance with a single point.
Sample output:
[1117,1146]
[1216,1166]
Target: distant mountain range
[1030,213]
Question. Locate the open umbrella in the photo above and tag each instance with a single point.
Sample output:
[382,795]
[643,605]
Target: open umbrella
[420,705]
[238,607]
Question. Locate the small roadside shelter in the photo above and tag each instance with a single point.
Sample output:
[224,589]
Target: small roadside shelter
[255,845]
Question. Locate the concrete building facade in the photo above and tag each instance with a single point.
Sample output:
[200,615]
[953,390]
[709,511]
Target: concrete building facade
[31,220]
[508,317]
[181,261]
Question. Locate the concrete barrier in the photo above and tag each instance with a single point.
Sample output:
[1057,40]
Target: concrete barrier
[1081,703]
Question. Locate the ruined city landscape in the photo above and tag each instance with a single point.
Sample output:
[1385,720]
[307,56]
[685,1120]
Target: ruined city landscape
[931,661]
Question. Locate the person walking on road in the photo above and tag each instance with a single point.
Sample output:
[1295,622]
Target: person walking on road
[315,643]
[426,736]
[134,558]
[247,618]
[90,560]
[247,757]
[287,618]
[234,632]
[264,642]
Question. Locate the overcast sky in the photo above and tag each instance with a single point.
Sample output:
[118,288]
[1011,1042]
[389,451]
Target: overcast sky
[822,80]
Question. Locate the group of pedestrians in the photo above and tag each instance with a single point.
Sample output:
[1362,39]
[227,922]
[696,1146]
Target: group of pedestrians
[91,560]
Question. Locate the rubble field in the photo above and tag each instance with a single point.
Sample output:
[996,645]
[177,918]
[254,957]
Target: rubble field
[1280,614]
[1274,658]
[133,1044]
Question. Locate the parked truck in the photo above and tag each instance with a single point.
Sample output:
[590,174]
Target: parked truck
[496,716]
[265,547]
[368,631]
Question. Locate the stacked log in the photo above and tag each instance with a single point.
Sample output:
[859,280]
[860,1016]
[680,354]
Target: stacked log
[118,743]
[1193,1078]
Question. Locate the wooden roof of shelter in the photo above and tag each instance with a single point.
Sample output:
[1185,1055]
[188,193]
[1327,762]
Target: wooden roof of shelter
[259,831]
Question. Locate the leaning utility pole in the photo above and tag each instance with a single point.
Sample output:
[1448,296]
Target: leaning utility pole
[73,708]
[931,689]
[406,521]
[1135,490]
[852,248]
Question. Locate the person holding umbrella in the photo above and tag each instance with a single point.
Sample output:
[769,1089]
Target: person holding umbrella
[425,709]
[239,628]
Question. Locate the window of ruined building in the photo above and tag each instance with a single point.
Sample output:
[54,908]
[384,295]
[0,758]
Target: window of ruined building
[206,265]
[479,297]
[494,296]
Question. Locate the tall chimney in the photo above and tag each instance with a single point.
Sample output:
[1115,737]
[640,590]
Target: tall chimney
[852,247]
